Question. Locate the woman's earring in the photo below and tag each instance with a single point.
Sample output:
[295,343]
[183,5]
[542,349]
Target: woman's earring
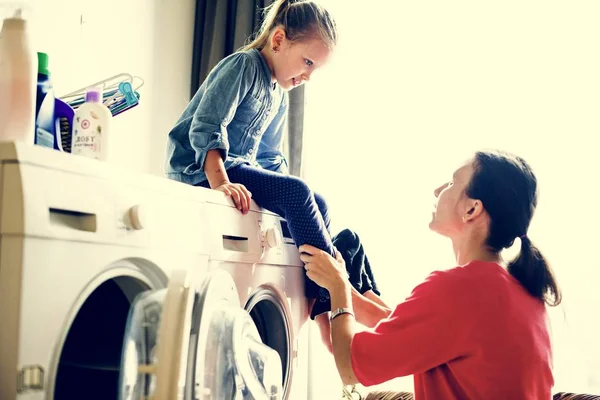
[276,49]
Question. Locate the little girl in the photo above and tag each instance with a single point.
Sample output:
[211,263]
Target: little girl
[230,136]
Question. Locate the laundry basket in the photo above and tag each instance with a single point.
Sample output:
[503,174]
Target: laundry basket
[575,396]
[389,396]
[353,394]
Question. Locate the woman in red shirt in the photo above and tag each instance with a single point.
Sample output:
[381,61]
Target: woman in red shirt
[475,331]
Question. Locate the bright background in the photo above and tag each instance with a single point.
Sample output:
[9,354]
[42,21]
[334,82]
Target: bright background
[413,90]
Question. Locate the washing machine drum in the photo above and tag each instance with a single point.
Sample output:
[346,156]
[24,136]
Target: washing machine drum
[196,344]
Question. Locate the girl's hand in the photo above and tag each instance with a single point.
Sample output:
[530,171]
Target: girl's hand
[324,270]
[238,192]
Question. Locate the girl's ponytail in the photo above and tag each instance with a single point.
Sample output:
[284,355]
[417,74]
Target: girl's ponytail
[300,20]
[273,15]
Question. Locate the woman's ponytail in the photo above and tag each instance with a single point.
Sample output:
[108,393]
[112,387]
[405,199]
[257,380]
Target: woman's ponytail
[531,269]
[507,187]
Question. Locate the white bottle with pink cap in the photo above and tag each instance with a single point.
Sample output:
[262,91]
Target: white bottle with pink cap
[91,127]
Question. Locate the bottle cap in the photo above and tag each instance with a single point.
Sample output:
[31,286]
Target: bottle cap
[93,95]
[43,64]
[18,19]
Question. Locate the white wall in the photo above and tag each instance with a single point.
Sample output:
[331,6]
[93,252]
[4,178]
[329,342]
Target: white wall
[90,40]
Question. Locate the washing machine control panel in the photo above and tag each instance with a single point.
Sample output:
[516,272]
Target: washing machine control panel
[154,216]
[270,237]
[274,233]
[276,240]
[136,218]
[285,232]
[258,237]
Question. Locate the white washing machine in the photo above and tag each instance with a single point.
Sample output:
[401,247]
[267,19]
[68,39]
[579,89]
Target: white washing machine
[117,285]
[259,253]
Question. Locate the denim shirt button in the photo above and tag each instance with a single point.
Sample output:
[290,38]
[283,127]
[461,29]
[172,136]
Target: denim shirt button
[251,151]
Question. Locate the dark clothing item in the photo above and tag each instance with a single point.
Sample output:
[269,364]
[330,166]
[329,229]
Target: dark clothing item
[357,263]
[358,267]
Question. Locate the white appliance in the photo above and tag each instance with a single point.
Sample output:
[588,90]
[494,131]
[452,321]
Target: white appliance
[259,253]
[114,283]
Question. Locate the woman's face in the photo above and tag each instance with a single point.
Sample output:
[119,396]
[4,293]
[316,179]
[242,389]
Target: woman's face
[452,203]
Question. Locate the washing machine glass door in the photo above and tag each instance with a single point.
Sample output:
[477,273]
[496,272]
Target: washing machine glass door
[231,362]
[156,342]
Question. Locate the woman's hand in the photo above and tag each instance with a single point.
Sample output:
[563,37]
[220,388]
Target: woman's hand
[238,192]
[323,269]
[331,274]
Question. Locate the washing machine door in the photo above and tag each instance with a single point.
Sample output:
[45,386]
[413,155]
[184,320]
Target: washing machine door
[196,344]
[229,359]
[156,342]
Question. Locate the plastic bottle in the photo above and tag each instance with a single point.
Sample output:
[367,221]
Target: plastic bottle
[63,125]
[45,131]
[91,127]
[17,81]
[53,117]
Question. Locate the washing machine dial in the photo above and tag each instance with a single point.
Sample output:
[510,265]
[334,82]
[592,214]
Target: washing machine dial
[271,238]
[136,218]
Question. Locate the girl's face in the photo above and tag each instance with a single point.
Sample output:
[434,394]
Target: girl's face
[294,62]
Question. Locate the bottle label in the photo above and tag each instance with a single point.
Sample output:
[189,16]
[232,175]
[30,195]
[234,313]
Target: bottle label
[87,135]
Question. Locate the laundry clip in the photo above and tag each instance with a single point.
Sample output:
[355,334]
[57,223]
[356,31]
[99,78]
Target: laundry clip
[130,99]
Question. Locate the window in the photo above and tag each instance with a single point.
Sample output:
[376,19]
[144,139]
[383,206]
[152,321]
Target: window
[413,89]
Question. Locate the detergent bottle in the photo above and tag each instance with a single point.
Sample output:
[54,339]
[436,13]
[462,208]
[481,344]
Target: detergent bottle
[45,130]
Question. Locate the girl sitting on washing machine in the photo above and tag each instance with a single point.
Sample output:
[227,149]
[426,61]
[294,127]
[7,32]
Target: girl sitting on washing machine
[230,136]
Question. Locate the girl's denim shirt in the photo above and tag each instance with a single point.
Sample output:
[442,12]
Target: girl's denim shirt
[237,110]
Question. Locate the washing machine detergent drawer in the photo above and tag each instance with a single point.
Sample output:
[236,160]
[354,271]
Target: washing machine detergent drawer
[196,343]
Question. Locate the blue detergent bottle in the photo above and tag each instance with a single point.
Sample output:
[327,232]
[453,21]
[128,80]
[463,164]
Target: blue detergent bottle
[45,129]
